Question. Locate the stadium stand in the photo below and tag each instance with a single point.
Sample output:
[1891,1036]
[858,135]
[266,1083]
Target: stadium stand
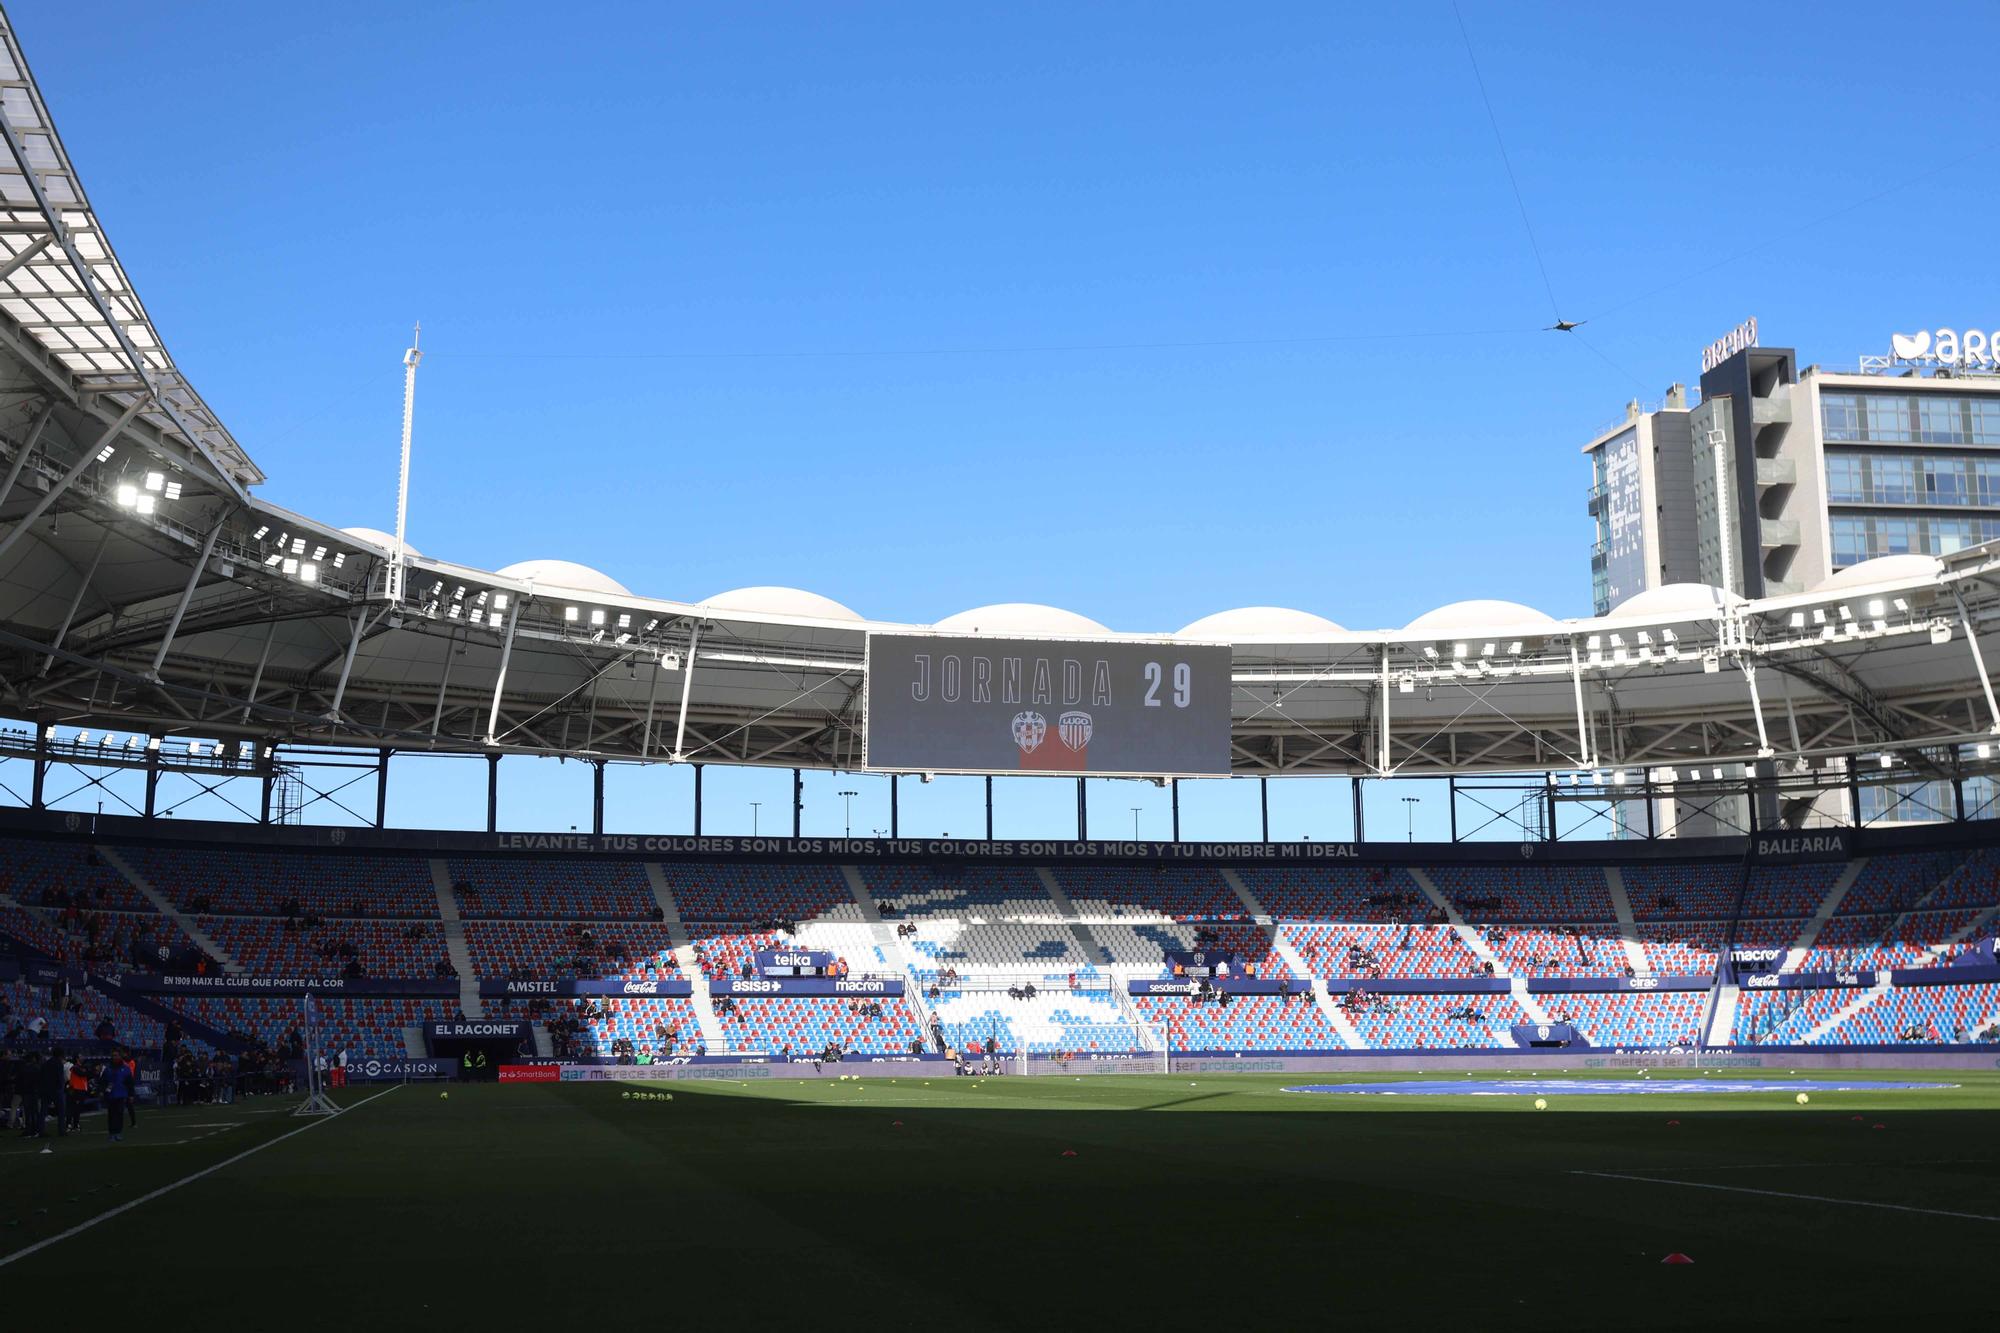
[989,952]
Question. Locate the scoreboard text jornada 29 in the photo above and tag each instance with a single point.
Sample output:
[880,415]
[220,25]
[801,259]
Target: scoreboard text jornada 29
[952,704]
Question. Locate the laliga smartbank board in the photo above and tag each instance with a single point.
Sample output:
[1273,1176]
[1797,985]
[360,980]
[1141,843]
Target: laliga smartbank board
[952,704]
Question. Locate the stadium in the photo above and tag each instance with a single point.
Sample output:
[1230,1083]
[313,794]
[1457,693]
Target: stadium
[1701,976]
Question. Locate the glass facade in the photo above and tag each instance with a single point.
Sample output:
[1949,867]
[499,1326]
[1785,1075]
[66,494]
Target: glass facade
[1919,479]
[1913,478]
[1858,537]
[1909,418]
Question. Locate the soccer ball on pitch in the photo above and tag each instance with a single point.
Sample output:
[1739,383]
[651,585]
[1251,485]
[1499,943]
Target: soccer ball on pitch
[1541,1104]
[1802,1099]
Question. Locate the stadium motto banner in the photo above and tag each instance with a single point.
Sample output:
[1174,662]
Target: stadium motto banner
[224,984]
[941,704]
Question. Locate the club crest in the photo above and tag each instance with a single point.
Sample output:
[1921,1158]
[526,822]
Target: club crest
[1073,729]
[1030,730]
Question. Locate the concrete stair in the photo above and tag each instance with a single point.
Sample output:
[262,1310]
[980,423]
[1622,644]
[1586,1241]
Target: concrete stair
[703,999]
[1628,925]
[469,1002]
[1529,1004]
[160,904]
[1850,1009]
[1795,957]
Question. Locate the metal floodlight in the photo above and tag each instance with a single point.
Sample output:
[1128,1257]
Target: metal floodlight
[453,610]
[1596,778]
[670,661]
[156,482]
[173,490]
[271,560]
[1819,615]
[623,639]
[597,617]
[319,553]
[569,615]
[83,738]
[1594,642]
[258,535]
[1881,627]
[1487,651]
[283,537]
[298,546]
[127,495]
[309,572]
[339,559]
[104,454]
[458,593]
[624,620]
[1983,750]
[291,565]
[1618,778]
[499,601]
[1877,608]
[153,745]
[1888,760]
[1668,636]
[1430,651]
[1798,620]
[652,625]
[1514,648]
[1940,632]
[1458,650]
[1845,614]
[1900,604]
[147,504]
[493,620]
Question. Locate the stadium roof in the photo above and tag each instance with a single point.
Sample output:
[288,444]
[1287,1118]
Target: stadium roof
[143,590]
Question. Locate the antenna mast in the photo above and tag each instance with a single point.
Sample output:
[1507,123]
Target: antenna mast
[411,359]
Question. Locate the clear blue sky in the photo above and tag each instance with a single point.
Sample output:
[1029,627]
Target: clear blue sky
[1142,310]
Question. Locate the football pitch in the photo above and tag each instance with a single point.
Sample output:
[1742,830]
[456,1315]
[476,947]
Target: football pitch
[892,1201]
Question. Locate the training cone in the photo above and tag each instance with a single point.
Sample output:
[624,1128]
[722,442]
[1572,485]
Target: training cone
[1067,1152]
[46,1149]
[1878,1126]
[1677,1258]
[1673,1122]
[895,1124]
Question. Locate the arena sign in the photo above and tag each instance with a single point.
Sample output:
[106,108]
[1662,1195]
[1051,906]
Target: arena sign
[1738,339]
[944,704]
[1973,349]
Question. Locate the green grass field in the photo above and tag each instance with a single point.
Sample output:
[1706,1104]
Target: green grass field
[891,1202]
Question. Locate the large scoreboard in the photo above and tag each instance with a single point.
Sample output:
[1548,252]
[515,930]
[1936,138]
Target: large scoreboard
[1130,708]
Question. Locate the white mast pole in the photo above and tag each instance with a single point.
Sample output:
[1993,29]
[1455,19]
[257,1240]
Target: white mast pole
[411,359]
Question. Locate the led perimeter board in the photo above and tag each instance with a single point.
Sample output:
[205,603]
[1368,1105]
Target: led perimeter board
[951,704]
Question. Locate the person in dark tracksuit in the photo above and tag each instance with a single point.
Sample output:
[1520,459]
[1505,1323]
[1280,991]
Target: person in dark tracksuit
[52,1090]
[117,1096]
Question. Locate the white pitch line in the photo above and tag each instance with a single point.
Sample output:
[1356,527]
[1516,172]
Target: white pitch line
[128,1206]
[1782,1194]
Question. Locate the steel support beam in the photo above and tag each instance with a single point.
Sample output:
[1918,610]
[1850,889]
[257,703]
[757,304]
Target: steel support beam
[152,774]
[597,797]
[347,661]
[1082,813]
[187,595]
[895,817]
[798,800]
[1264,805]
[493,792]
[68,479]
[697,800]
[500,680]
[69,616]
[989,806]
[1978,660]
[36,800]
[1173,798]
[687,686]
[381,788]
[27,448]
